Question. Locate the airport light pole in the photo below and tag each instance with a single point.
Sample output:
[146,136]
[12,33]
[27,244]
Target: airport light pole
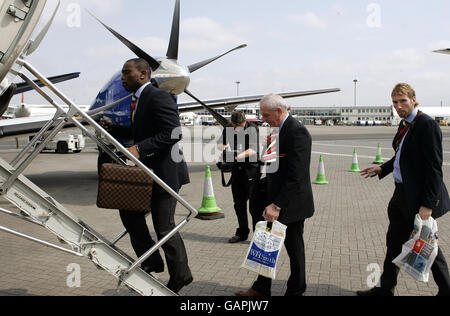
[237,86]
[355,81]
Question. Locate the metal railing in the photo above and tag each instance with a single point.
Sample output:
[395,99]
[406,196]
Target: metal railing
[74,115]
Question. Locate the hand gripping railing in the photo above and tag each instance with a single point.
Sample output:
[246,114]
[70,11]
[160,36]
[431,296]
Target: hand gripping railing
[69,116]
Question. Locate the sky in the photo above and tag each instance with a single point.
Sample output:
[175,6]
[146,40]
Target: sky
[293,45]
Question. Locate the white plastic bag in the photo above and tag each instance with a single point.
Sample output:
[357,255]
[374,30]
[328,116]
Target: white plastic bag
[262,255]
[419,252]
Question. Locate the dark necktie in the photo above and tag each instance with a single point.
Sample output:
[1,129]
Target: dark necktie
[404,128]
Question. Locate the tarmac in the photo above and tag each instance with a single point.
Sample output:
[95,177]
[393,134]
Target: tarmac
[345,239]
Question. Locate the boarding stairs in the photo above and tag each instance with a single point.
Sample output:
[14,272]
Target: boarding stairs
[38,207]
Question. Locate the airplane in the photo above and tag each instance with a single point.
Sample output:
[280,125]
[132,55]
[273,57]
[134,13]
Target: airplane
[23,110]
[37,206]
[169,75]
[438,113]
[114,102]
[18,88]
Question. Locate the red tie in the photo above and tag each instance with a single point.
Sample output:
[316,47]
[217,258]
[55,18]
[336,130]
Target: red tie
[133,106]
[405,128]
[271,149]
[133,103]
[402,133]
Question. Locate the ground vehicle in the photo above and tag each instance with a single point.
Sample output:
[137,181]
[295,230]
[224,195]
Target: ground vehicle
[64,142]
[189,119]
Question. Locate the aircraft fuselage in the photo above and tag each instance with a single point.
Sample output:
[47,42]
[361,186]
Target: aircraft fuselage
[170,76]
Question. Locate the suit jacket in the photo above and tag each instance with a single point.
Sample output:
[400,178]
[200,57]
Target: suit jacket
[421,167]
[156,130]
[290,186]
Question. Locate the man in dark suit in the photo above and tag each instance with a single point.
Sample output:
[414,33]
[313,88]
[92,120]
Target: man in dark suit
[419,187]
[154,118]
[290,197]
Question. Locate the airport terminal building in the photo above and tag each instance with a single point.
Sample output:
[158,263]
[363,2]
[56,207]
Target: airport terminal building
[347,115]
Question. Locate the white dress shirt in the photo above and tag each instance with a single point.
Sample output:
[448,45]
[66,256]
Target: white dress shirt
[397,172]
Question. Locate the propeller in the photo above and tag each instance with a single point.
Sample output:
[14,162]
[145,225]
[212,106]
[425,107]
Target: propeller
[197,66]
[219,118]
[172,54]
[442,51]
[154,64]
[172,51]
[34,44]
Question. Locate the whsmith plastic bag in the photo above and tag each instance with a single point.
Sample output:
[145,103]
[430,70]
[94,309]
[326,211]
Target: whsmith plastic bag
[419,252]
[262,255]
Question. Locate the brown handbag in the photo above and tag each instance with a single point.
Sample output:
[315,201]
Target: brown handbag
[124,188]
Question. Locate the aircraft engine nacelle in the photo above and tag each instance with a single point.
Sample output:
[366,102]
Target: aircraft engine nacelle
[172,77]
[175,85]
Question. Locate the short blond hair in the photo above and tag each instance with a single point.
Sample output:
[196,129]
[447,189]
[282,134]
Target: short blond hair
[404,89]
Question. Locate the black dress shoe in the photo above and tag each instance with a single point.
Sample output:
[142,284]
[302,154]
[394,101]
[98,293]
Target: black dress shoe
[376,291]
[156,267]
[236,239]
[176,286]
